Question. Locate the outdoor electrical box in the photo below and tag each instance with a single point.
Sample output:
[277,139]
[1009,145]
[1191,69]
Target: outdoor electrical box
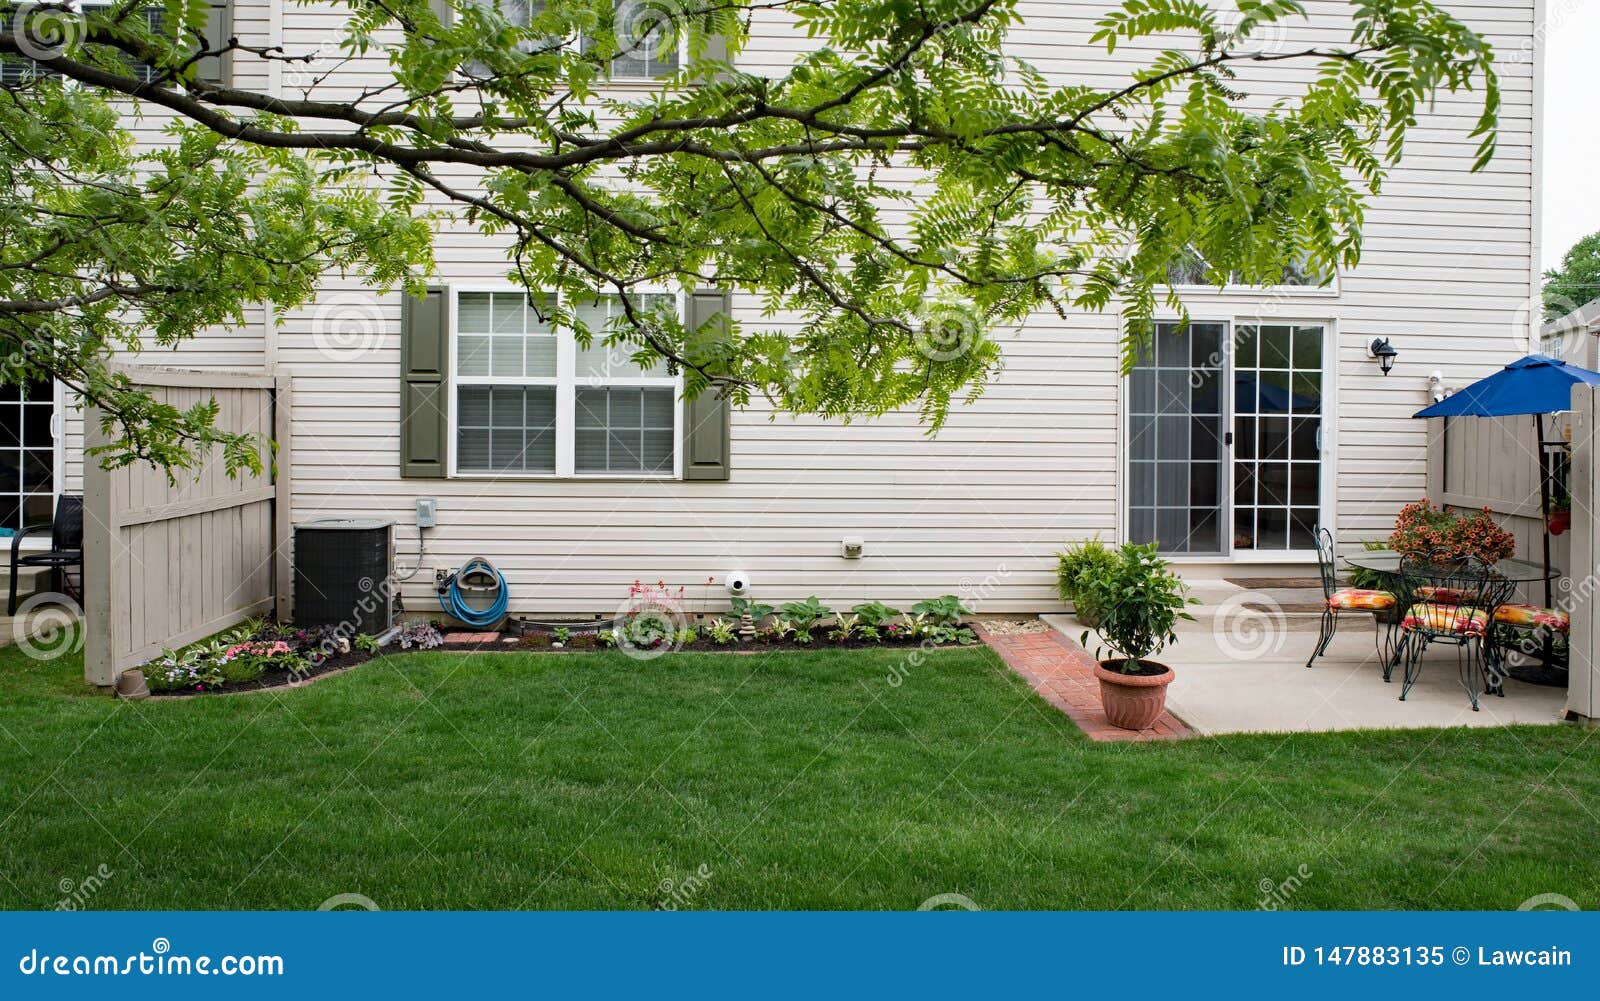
[427,512]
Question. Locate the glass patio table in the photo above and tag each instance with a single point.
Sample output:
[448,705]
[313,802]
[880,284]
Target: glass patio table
[1520,571]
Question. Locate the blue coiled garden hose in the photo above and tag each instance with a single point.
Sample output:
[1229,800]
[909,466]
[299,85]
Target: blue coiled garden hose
[454,604]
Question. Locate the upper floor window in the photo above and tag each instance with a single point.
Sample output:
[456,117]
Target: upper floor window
[649,45]
[1190,270]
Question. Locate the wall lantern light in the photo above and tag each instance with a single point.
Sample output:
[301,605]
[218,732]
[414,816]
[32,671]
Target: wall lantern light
[1385,352]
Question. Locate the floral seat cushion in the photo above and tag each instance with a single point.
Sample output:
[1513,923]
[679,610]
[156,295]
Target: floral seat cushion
[1532,617]
[1446,619]
[1360,599]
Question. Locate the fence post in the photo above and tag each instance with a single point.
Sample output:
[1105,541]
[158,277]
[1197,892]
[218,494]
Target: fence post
[99,581]
[1583,675]
[282,499]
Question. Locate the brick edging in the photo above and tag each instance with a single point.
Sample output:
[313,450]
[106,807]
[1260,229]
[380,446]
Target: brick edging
[1062,672]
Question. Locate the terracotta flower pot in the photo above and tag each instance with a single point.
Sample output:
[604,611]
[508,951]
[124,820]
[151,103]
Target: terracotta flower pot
[1132,701]
[132,686]
[1560,521]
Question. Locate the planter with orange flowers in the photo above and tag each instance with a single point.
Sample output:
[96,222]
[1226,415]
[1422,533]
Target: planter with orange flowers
[1423,529]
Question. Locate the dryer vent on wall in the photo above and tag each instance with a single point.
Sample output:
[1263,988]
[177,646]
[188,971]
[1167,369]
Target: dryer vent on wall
[344,573]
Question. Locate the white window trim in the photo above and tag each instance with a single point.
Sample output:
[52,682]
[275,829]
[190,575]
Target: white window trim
[1328,486]
[566,383]
[1329,291]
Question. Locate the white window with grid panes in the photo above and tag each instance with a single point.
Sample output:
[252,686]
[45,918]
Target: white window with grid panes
[529,400]
[651,45]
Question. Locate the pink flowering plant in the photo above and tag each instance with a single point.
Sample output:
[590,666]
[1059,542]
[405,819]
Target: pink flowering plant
[236,658]
[652,619]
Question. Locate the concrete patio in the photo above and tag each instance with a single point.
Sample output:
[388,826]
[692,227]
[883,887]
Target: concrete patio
[1241,668]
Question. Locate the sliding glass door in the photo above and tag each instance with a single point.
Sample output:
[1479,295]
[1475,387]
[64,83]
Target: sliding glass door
[1177,441]
[1225,436]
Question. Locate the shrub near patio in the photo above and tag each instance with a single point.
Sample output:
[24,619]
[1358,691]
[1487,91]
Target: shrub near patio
[1137,602]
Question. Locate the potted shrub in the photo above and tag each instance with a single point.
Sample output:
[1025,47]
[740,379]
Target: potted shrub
[1082,561]
[1138,601]
[1560,514]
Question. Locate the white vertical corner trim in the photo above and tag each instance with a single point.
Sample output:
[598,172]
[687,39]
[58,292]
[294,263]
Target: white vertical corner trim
[275,40]
[269,336]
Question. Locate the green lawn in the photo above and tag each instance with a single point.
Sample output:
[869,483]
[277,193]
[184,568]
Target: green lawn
[775,781]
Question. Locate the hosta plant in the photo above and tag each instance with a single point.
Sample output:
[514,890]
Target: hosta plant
[806,615]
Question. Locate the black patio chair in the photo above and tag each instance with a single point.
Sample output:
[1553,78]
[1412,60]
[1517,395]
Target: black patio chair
[66,548]
[1453,601]
[1349,599]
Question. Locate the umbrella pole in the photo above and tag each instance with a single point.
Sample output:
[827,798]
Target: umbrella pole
[1544,503]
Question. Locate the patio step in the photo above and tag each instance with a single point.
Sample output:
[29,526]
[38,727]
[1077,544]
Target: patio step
[30,581]
[1291,607]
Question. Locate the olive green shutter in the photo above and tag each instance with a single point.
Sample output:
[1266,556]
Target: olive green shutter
[425,385]
[218,30]
[707,418]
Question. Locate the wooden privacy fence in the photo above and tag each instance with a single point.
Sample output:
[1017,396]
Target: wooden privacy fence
[1493,462]
[167,563]
[1583,686]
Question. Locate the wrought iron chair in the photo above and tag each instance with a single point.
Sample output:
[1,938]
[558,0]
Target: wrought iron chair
[1526,630]
[66,548]
[1349,599]
[1453,601]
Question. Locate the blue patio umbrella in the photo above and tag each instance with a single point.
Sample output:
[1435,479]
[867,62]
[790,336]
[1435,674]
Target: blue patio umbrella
[1536,385]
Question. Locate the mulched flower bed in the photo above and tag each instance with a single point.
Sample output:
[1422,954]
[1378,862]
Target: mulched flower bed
[588,642]
[281,678]
[317,653]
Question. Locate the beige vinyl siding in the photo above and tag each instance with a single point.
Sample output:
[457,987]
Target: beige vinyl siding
[1035,461]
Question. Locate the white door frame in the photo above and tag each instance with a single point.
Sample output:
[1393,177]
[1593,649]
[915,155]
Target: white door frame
[1327,486]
